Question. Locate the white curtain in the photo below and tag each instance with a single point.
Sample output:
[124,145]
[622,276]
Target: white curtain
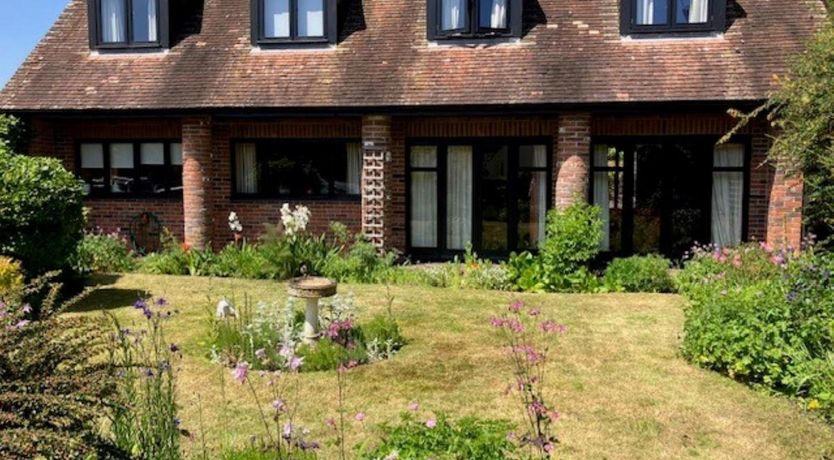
[698,11]
[311,18]
[277,18]
[354,168]
[92,156]
[176,154]
[113,21]
[246,172]
[727,195]
[424,209]
[459,197]
[498,17]
[601,195]
[645,12]
[538,194]
[152,21]
[152,154]
[453,14]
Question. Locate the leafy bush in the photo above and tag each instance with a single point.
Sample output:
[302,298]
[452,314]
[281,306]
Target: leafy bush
[442,439]
[357,260]
[102,253]
[243,261]
[11,279]
[572,241]
[383,329]
[41,212]
[326,355]
[640,274]
[54,387]
[762,317]
[179,259]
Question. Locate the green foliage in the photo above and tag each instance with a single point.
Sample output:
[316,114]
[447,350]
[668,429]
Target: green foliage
[54,386]
[326,355]
[144,419]
[763,317]
[802,111]
[263,453]
[11,279]
[15,135]
[468,438]
[384,329]
[179,259]
[356,261]
[102,253]
[41,212]
[572,241]
[639,274]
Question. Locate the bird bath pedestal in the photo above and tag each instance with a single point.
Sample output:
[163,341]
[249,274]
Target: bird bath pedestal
[311,289]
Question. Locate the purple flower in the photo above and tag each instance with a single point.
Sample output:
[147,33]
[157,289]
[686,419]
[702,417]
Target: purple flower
[241,372]
[548,447]
[498,322]
[359,417]
[516,306]
[279,405]
[21,324]
[287,430]
[140,304]
[431,423]
[174,348]
[161,302]
[414,407]
[286,351]
[147,312]
[295,363]
[26,308]
[550,327]
[177,421]
[149,373]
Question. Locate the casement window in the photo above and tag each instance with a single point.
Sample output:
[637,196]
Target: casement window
[286,22]
[448,19]
[128,24]
[318,169]
[665,194]
[490,193]
[676,17]
[125,168]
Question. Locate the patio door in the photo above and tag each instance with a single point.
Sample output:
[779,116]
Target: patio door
[492,194]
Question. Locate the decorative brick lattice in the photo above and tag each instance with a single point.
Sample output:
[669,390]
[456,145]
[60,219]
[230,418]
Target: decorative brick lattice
[376,139]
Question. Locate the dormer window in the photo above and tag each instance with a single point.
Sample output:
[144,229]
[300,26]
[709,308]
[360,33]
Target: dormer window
[672,17]
[128,24]
[277,23]
[450,19]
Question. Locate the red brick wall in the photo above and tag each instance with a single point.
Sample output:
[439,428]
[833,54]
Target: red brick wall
[573,152]
[196,176]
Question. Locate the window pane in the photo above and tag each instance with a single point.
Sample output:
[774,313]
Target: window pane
[729,156]
[92,167]
[144,21]
[152,172]
[121,168]
[176,154]
[310,18]
[493,14]
[727,208]
[113,21]
[175,168]
[353,185]
[649,12]
[301,168]
[495,198]
[453,14]
[459,197]
[277,18]
[692,11]
[423,209]
[532,208]
[246,172]
[532,156]
[424,156]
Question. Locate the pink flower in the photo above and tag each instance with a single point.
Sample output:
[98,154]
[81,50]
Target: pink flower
[515,325]
[359,417]
[279,405]
[431,423]
[498,322]
[414,407]
[330,423]
[534,312]
[241,372]
[295,363]
[550,327]
[516,306]
[737,261]
[286,351]
[554,415]
[548,447]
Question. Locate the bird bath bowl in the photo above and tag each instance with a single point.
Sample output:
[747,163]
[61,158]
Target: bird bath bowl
[311,289]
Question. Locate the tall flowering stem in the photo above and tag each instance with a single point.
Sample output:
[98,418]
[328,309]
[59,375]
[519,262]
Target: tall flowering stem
[528,338]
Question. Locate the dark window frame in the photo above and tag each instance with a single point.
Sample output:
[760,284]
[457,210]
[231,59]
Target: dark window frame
[629,175]
[137,158]
[258,32]
[717,21]
[97,42]
[473,30]
[260,196]
[514,143]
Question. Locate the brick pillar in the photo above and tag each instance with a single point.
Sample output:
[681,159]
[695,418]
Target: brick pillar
[376,147]
[573,152]
[784,214]
[196,153]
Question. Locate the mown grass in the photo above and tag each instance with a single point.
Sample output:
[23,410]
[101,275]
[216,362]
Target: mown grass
[616,376]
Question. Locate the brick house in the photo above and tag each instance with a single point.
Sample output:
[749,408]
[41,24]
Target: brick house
[425,124]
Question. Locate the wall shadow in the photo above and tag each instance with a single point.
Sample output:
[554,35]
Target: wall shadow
[106,299]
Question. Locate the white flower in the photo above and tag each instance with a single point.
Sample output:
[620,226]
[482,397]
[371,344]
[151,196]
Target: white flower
[225,309]
[234,223]
[295,220]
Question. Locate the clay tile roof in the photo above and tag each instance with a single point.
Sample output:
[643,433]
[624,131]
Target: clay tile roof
[571,53]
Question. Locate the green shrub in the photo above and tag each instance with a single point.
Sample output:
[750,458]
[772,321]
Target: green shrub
[639,274]
[359,262]
[41,212]
[770,325]
[54,389]
[561,265]
[326,355]
[11,279]
[244,261]
[468,438]
[103,253]
[179,259]
[384,329]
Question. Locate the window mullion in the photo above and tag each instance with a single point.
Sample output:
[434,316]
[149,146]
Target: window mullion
[293,19]
[129,22]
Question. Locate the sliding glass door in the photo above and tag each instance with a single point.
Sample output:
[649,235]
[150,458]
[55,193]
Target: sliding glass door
[490,193]
[664,195]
